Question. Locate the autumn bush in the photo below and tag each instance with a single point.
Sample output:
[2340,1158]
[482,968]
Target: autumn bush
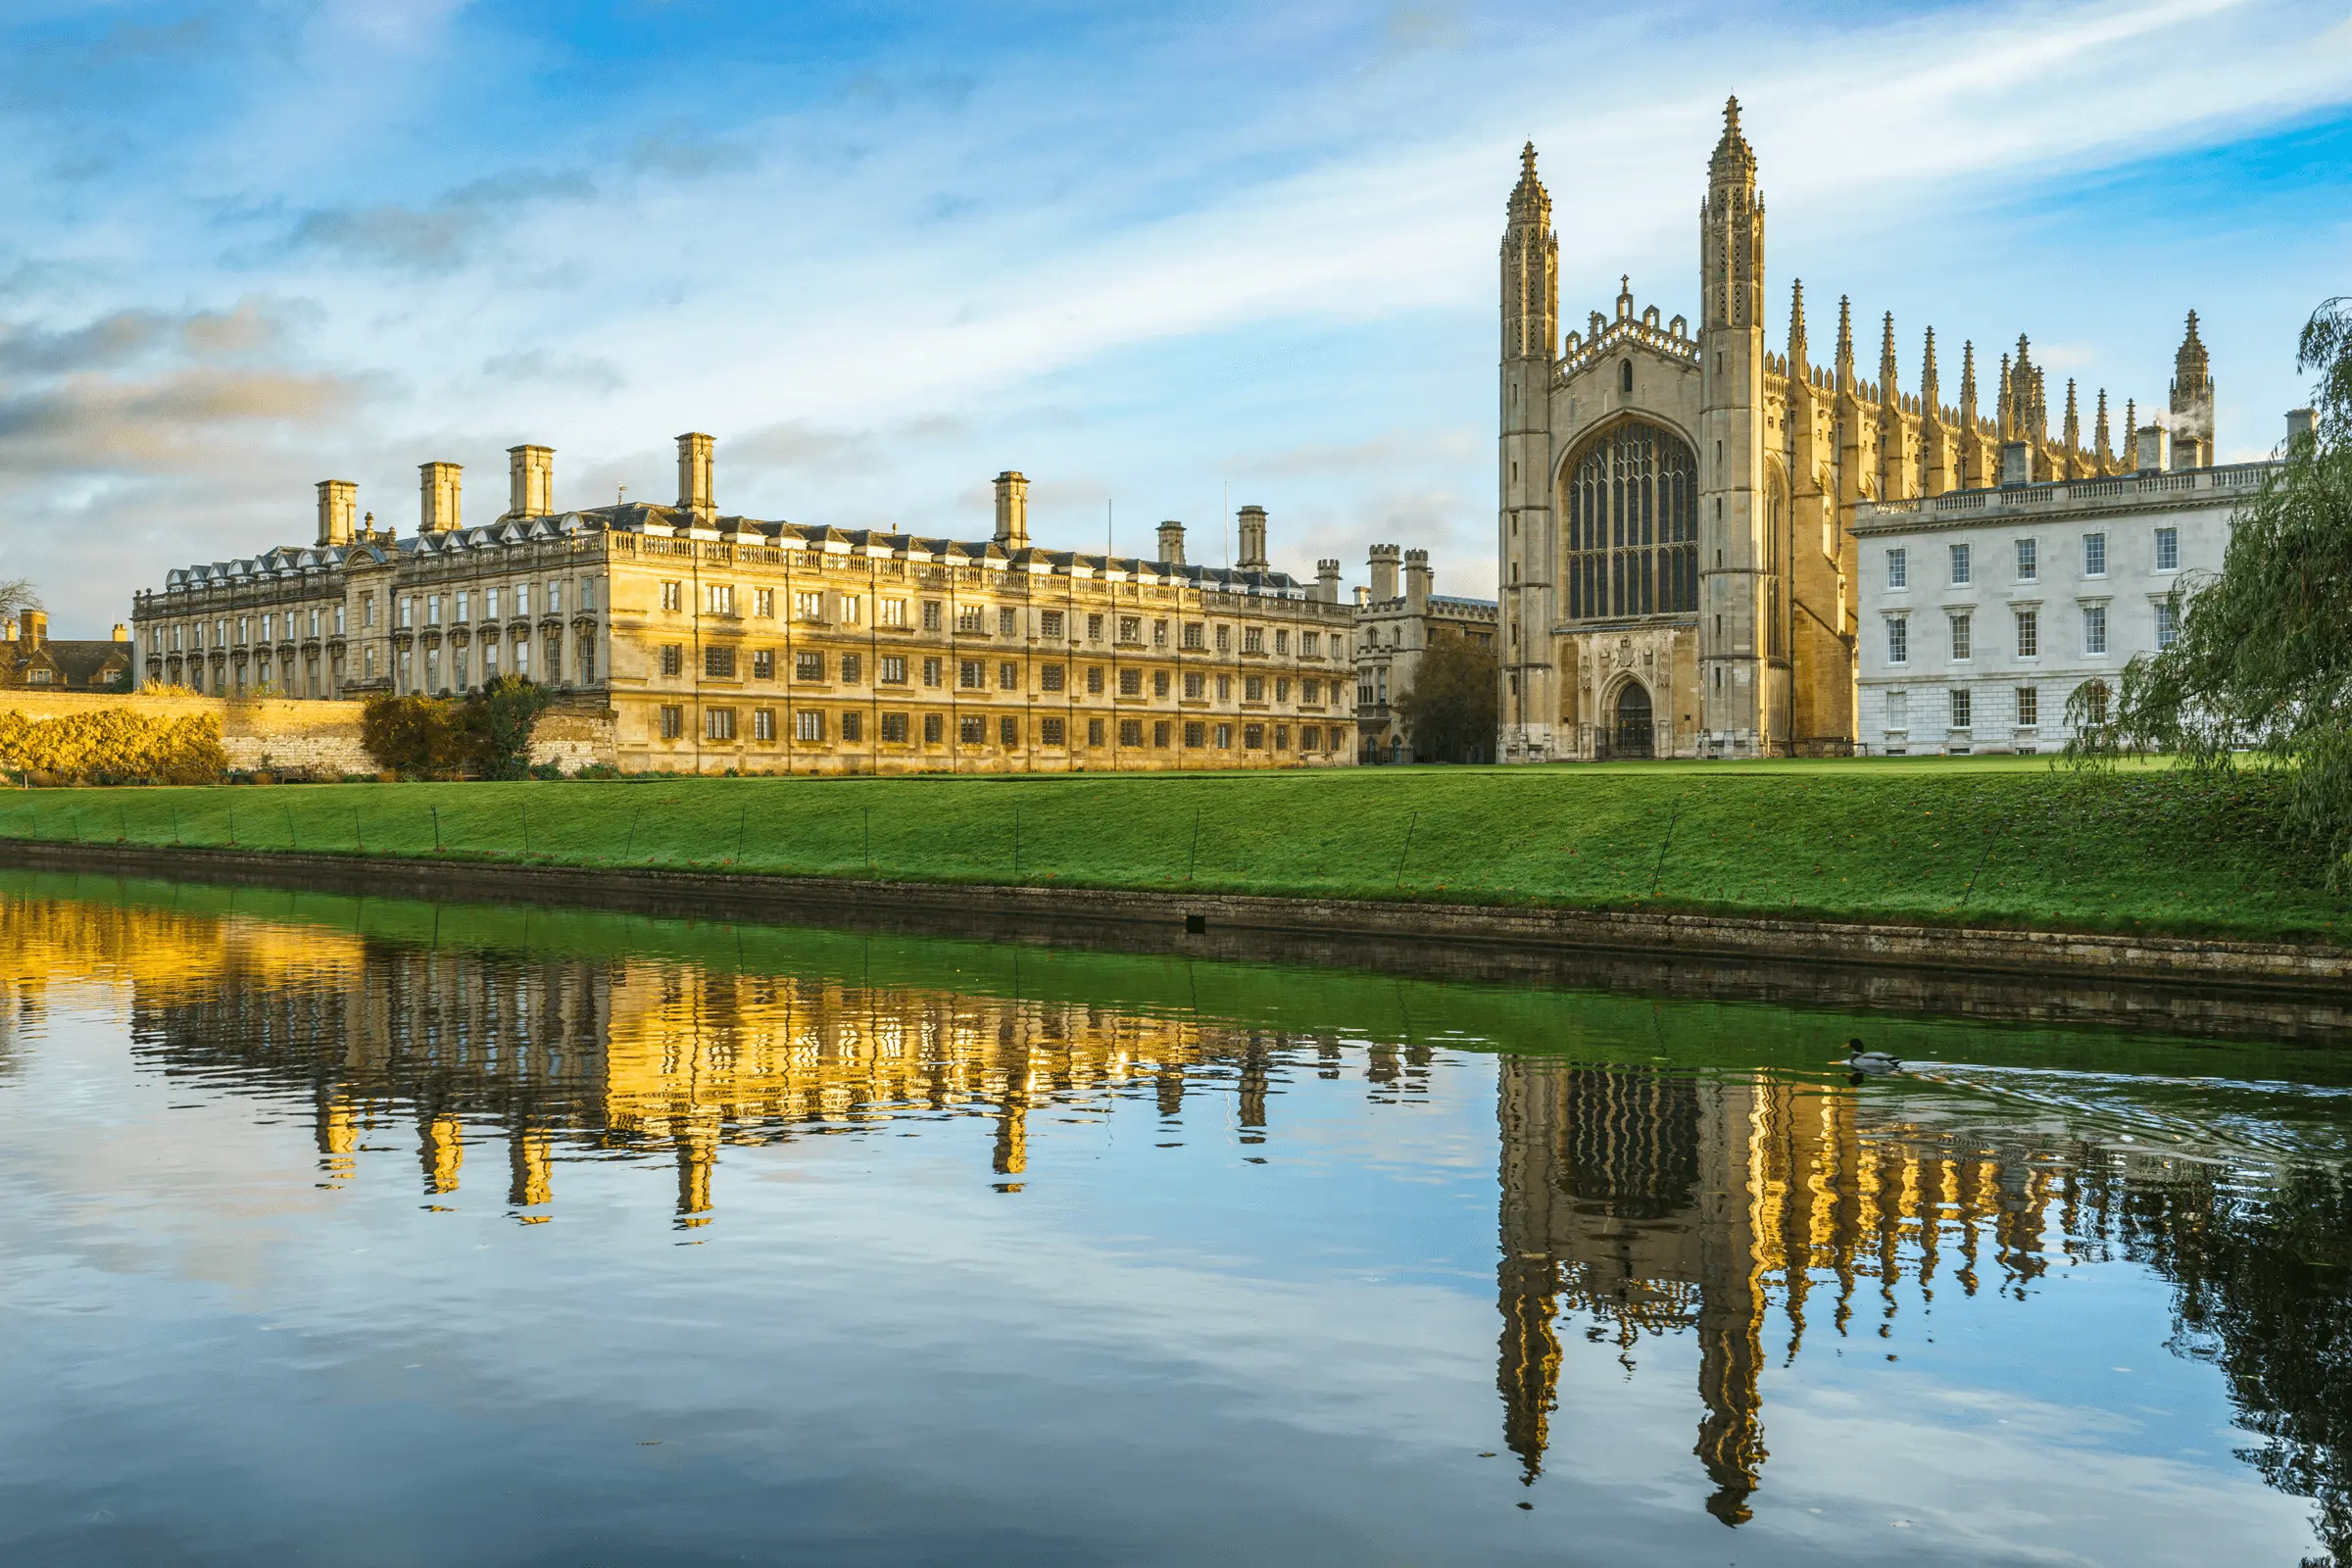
[108,744]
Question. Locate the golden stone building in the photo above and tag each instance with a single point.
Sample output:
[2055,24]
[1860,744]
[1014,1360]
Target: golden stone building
[720,642]
[1676,561]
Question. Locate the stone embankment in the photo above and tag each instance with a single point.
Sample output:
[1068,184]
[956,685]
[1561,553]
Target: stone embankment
[2171,983]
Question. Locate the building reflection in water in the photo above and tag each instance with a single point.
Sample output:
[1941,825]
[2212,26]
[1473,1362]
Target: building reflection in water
[1743,1210]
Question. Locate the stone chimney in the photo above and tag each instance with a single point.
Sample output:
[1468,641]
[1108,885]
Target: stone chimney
[2302,424]
[1417,581]
[2017,463]
[694,477]
[439,508]
[338,509]
[1171,542]
[122,632]
[2151,449]
[1253,531]
[32,629]
[1384,573]
[531,481]
[1013,509]
[1327,581]
[1363,596]
[2188,451]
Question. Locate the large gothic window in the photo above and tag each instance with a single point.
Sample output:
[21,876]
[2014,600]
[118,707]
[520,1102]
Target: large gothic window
[1631,508]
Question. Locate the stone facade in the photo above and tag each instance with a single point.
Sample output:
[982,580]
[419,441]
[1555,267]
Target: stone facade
[1393,628]
[1984,612]
[30,659]
[724,643]
[1675,539]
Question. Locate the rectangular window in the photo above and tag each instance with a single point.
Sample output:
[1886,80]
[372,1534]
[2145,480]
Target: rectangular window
[764,664]
[1094,628]
[587,593]
[490,600]
[1898,710]
[1253,639]
[970,620]
[1224,639]
[931,621]
[971,675]
[809,606]
[2168,624]
[1282,688]
[1195,734]
[1050,732]
[2029,634]
[1310,692]
[432,614]
[2029,707]
[718,723]
[808,724]
[1008,731]
[1131,682]
[1160,735]
[1193,683]
[1159,683]
[1093,680]
[1253,688]
[2094,555]
[1050,625]
[1960,708]
[1224,737]
[1898,640]
[673,596]
[1254,737]
[763,603]
[852,726]
[933,671]
[852,668]
[1160,634]
[719,598]
[893,728]
[1282,642]
[1008,676]
[673,660]
[718,663]
[894,613]
[1311,646]
[585,660]
[2029,561]
[893,670]
[807,666]
[1131,732]
[523,599]
[2168,549]
[934,728]
[1008,622]
[1311,739]
[972,729]
[673,721]
[1131,629]
[1191,634]
[853,613]
[1899,569]
[1051,676]
[522,659]
[339,617]
[366,610]
[1224,688]
[1962,625]
[2095,628]
[1282,737]
[764,723]
[490,660]
[462,615]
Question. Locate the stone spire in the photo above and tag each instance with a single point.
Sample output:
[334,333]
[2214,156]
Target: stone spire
[1530,269]
[1845,344]
[2074,424]
[1930,392]
[1732,234]
[1887,391]
[2102,449]
[2002,407]
[1967,385]
[1797,331]
[2130,436]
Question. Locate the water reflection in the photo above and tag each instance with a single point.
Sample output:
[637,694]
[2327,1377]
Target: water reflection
[1748,1212]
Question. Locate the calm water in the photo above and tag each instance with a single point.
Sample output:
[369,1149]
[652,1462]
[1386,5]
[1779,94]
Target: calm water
[377,1233]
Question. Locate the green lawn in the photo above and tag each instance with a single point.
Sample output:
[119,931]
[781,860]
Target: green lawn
[1989,841]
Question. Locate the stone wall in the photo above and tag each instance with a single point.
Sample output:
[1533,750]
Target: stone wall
[309,736]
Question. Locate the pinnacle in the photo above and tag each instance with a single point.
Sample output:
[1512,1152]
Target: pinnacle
[1527,160]
[1730,117]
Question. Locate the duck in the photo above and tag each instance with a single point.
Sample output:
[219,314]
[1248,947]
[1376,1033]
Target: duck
[1875,1063]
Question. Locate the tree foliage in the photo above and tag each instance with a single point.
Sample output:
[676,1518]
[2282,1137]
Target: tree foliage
[17,595]
[113,745]
[1451,711]
[2262,664]
[487,733]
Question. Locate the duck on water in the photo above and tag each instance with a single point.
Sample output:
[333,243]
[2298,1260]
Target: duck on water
[1868,1063]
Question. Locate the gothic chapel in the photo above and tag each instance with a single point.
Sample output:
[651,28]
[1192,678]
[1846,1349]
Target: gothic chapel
[1675,561]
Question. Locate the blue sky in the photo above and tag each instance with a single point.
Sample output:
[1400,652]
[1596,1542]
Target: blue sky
[1163,259]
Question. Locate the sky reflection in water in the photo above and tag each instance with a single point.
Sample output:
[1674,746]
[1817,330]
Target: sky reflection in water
[370,1234]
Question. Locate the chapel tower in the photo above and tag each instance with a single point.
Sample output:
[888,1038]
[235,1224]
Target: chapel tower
[1526,543]
[2193,402]
[1743,687]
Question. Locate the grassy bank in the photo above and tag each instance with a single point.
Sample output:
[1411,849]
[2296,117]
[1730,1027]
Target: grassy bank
[1990,842]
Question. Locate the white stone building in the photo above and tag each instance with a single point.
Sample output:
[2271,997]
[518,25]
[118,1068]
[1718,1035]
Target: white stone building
[1983,612]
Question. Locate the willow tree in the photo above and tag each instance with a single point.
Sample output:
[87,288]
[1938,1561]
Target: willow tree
[2262,669]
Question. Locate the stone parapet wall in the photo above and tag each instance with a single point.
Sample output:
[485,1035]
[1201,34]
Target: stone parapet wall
[309,735]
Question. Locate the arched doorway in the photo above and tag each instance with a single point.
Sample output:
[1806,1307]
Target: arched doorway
[1633,731]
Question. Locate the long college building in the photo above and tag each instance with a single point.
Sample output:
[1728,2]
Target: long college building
[726,642]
